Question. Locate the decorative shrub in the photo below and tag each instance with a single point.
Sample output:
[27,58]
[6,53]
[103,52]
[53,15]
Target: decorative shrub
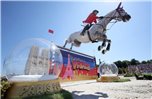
[4,86]
[148,76]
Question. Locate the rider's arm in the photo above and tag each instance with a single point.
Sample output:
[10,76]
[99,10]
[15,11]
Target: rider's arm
[101,17]
[95,19]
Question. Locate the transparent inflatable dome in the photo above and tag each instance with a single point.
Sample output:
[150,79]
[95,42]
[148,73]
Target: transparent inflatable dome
[34,59]
[108,69]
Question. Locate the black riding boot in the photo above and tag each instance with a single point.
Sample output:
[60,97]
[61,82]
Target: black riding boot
[84,29]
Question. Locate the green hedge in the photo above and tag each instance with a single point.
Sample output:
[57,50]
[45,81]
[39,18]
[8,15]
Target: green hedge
[147,76]
[63,94]
[122,80]
[4,86]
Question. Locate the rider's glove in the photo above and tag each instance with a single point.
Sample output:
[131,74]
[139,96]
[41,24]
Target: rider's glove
[101,17]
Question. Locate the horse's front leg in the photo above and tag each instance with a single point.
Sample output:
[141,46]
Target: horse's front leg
[108,46]
[102,46]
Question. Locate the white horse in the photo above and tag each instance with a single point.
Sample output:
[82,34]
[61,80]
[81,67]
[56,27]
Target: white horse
[98,31]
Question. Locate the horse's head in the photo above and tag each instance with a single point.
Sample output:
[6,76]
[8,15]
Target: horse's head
[121,14]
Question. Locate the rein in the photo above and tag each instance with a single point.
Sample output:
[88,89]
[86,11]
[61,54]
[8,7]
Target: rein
[112,25]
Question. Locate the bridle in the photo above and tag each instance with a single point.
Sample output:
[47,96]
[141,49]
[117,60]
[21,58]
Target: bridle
[119,12]
[122,17]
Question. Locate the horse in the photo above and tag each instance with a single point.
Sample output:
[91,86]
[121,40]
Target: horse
[98,31]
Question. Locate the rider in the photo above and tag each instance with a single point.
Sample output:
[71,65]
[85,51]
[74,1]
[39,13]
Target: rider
[90,19]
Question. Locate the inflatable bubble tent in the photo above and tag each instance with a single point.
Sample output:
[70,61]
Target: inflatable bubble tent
[106,69]
[34,59]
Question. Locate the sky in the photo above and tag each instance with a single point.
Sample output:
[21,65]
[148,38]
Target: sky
[22,20]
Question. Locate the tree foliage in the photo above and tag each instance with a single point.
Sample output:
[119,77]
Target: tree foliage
[123,65]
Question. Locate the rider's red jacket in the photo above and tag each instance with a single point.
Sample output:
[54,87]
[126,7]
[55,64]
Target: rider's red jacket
[91,18]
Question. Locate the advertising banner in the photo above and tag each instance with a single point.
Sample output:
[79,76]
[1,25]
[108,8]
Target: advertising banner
[77,65]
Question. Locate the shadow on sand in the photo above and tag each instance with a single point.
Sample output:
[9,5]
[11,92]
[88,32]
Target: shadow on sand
[95,95]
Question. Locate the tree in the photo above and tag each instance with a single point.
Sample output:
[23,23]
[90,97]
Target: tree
[125,63]
[134,62]
[149,61]
[118,64]
[143,62]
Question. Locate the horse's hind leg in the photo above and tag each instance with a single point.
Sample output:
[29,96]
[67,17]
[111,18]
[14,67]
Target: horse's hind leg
[65,43]
[108,47]
[71,46]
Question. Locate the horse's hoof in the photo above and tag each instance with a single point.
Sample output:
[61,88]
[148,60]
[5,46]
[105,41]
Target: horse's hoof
[109,41]
[99,48]
[103,51]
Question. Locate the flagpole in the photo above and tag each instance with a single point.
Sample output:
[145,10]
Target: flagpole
[51,37]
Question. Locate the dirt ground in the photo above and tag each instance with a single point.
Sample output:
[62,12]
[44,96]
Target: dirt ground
[90,89]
